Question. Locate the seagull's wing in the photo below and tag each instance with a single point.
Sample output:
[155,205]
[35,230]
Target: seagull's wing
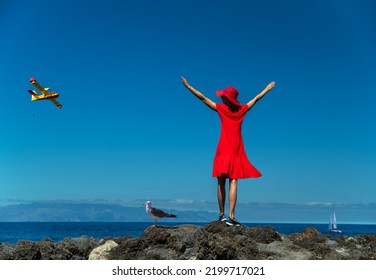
[161,214]
[158,213]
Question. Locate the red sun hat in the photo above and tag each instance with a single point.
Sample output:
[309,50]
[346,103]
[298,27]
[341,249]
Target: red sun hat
[231,93]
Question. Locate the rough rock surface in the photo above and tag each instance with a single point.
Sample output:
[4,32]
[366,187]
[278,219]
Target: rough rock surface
[67,249]
[214,241]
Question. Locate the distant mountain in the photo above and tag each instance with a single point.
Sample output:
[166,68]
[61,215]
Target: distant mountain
[187,211]
[99,212]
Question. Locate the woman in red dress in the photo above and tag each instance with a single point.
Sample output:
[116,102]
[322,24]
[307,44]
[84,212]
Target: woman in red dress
[230,160]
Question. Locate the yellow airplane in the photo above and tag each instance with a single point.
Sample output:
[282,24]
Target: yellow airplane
[45,94]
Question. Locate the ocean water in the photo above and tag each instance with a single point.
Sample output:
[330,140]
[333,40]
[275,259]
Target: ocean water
[11,232]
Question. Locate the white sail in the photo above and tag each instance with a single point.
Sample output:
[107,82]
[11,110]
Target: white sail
[333,222]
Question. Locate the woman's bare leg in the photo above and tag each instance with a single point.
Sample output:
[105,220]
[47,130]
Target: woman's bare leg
[221,194]
[232,197]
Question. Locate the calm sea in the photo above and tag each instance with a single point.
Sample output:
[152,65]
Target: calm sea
[57,231]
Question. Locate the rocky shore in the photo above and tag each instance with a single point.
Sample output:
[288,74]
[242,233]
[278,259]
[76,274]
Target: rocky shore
[214,241]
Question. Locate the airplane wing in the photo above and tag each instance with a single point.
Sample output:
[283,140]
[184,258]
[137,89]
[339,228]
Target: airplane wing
[54,101]
[38,86]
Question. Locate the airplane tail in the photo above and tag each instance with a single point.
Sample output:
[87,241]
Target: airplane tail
[32,92]
[34,95]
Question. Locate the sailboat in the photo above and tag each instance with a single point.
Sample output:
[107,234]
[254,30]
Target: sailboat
[333,222]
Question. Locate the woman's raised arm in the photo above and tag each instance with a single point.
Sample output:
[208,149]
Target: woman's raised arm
[252,102]
[199,95]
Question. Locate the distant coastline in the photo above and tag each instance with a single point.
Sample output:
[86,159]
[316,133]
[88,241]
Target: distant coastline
[187,211]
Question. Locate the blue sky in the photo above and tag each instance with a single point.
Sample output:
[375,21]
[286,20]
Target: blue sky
[128,129]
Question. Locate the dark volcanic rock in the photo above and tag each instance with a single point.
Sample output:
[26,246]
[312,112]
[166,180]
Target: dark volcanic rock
[214,241]
[313,241]
[157,243]
[67,249]
[6,251]
[220,242]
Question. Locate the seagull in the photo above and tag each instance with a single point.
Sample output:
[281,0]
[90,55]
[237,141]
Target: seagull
[155,213]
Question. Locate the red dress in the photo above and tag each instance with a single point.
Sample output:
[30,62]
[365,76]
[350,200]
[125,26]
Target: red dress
[230,158]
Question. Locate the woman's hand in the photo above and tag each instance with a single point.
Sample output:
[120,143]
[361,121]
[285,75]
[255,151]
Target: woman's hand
[184,81]
[270,86]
